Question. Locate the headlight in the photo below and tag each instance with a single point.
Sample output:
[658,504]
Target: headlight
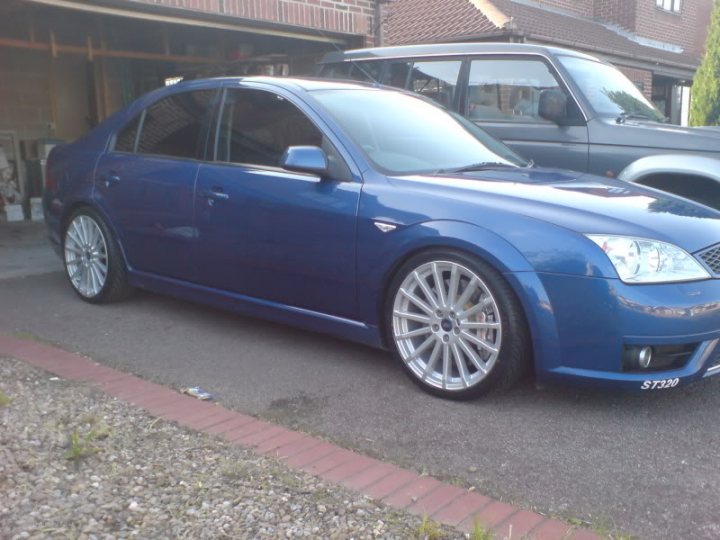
[648,261]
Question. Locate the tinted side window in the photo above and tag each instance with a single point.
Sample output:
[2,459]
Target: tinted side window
[509,90]
[336,71]
[257,128]
[366,71]
[397,73]
[125,141]
[173,125]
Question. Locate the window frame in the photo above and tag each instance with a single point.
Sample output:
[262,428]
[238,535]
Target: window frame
[559,77]
[213,140]
[675,6]
[203,137]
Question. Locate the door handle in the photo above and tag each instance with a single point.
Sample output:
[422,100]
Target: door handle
[216,194]
[111,180]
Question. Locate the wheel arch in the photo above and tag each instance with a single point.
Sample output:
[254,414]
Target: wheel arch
[77,204]
[457,236]
[690,176]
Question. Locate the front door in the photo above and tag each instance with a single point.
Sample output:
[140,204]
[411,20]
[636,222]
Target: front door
[269,233]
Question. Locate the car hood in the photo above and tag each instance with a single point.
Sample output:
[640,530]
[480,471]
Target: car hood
[582,203]
[657,135]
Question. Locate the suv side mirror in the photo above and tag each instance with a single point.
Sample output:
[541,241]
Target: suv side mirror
[553,106]
[305,159]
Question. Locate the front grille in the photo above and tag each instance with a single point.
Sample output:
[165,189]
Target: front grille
[711,257]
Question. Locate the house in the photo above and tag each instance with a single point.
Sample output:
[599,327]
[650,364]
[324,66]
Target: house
[67,64]
[658,44]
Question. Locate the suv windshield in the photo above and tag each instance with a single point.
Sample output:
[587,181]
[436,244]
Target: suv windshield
[609,92]
[402,134]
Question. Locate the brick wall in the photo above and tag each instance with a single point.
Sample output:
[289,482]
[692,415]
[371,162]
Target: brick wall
[686,28]
[346,16]
[584,8]
[621,12]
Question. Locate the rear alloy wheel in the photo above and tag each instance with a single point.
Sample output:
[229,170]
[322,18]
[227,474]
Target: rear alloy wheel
[92,260]
[456,326]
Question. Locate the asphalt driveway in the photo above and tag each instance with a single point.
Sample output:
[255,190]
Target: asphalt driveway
[642,464]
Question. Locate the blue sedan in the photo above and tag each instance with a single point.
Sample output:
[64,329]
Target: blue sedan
[377,216]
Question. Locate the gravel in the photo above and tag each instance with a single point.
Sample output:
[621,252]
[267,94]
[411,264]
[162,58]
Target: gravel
[77,463]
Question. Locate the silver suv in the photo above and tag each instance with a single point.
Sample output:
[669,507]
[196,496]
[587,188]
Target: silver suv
[555,106]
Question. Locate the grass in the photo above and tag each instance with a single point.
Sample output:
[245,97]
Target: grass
[81,446]
[481,533]
[428,530]
[4,400]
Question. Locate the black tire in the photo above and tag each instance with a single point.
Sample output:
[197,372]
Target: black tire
[115,286]
[510,337]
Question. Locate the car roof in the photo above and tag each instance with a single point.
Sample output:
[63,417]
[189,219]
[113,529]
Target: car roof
[446,49]
[308,84]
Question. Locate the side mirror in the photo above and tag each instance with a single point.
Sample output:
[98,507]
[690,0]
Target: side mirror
[553,106]
[305,159]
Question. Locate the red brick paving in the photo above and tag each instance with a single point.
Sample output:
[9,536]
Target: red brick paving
[518,525]
[400,488]
[551,529]
[436,500]
[462,508]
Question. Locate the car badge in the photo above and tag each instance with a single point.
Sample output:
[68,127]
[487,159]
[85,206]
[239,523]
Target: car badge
[385,227]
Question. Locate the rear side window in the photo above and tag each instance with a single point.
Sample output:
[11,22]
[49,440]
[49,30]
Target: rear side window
[174,125]
[366,71]
[125,141]
[436,80]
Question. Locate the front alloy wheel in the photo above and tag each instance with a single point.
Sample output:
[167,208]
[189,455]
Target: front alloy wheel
[452,319]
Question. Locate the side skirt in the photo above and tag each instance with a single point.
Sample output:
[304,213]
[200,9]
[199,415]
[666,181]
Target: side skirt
[254,307]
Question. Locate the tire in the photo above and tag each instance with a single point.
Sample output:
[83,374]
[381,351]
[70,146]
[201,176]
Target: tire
[93,262]
[463,339]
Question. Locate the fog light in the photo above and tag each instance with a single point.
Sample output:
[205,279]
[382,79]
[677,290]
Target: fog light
[645,357]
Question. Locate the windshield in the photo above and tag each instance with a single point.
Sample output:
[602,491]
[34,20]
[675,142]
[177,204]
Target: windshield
[402,134]
[608,90]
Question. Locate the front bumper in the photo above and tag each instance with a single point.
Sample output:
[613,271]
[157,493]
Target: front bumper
[582,326]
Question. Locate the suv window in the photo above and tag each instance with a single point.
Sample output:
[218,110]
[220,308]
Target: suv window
[173,126]
[436,79]
[366,71]
[257,127]
[509,90]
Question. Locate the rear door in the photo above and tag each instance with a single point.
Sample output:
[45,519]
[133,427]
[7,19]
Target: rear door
[502,97]
[146,183]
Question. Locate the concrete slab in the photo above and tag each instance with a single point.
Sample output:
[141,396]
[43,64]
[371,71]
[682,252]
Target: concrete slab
[25,250]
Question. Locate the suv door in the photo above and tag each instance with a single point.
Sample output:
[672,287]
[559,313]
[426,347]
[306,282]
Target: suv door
[146,183]
[269,233]
[503,96]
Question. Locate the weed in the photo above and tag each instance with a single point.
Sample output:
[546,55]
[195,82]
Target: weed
[481,533]
[81,446]
[234,470]
[428,530]
[4,400]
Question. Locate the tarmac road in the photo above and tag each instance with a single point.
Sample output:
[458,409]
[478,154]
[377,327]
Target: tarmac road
[640,464]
